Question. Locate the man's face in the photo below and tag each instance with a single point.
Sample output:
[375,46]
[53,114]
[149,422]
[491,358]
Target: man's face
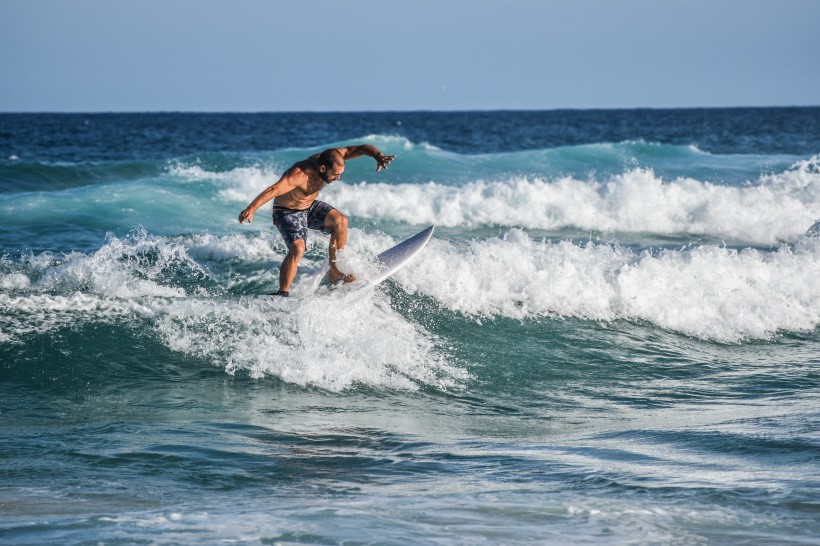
[329,174]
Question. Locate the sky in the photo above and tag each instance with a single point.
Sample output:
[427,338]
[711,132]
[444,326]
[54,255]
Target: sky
[368,55]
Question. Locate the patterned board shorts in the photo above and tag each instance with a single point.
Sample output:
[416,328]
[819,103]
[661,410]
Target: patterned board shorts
[294,224]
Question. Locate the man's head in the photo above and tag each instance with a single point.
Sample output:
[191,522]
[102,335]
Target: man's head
[331,165]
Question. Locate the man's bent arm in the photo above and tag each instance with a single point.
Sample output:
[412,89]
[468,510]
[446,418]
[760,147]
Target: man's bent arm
[283,186]
[352,152]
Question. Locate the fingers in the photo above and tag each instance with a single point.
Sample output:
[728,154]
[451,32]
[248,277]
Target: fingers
[384,161]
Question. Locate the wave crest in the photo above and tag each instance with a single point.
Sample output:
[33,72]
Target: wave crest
[777,209]
[708,292]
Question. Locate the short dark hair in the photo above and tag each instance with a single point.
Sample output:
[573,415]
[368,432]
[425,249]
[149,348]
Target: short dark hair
[331,158]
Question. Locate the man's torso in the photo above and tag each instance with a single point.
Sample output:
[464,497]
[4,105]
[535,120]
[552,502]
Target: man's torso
[307,189]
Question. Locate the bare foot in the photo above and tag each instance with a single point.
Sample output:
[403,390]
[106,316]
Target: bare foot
[336,276]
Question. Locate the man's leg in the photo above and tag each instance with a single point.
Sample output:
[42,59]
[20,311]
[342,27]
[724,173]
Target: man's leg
[287,271]
[293,228]
[336,223]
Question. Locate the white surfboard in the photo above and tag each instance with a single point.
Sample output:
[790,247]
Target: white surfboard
[387,263]
[393,259]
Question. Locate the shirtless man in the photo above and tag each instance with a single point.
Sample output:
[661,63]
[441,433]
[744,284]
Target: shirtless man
[295,207]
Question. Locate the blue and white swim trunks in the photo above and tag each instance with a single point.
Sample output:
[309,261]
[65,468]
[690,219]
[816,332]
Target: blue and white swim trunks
[294,224]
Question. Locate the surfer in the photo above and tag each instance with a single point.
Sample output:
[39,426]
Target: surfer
[296,209]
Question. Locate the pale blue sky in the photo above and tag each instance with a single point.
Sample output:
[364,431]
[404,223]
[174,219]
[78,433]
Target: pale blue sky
[311,55]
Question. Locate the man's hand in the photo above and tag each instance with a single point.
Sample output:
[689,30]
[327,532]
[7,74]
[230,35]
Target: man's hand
[382,161]
[246,214]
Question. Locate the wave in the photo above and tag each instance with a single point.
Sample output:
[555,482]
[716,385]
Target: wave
[416,163]
[708,292]
[197,294]
[775,207]
[186,291]
[23,176]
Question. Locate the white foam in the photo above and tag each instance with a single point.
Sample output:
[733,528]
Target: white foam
[23,315]
[14,281]
[331,342]
[394,141]
[111,283]
[121,268]
[264,246]
[776,208]
[708,292]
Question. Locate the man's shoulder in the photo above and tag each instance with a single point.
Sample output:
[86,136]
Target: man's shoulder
[297,175]
[299,169]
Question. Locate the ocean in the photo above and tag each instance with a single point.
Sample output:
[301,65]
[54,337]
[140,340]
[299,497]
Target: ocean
[612,338]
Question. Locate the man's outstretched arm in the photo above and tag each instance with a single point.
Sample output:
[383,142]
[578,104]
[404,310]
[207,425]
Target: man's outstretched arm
[352,152]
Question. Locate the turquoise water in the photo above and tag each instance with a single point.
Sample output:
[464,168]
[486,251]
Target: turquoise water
[612,337]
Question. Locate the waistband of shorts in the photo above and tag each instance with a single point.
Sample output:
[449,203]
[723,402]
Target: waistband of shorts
[286,209]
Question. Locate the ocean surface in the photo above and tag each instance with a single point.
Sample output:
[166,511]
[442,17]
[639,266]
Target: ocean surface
[612,338]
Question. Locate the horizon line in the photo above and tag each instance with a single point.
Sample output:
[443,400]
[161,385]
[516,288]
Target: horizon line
[419,111]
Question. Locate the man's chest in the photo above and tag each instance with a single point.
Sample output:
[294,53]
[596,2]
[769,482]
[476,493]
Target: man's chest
[314,186]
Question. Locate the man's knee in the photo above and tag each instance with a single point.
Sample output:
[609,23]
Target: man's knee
[297,249]
[338,221]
